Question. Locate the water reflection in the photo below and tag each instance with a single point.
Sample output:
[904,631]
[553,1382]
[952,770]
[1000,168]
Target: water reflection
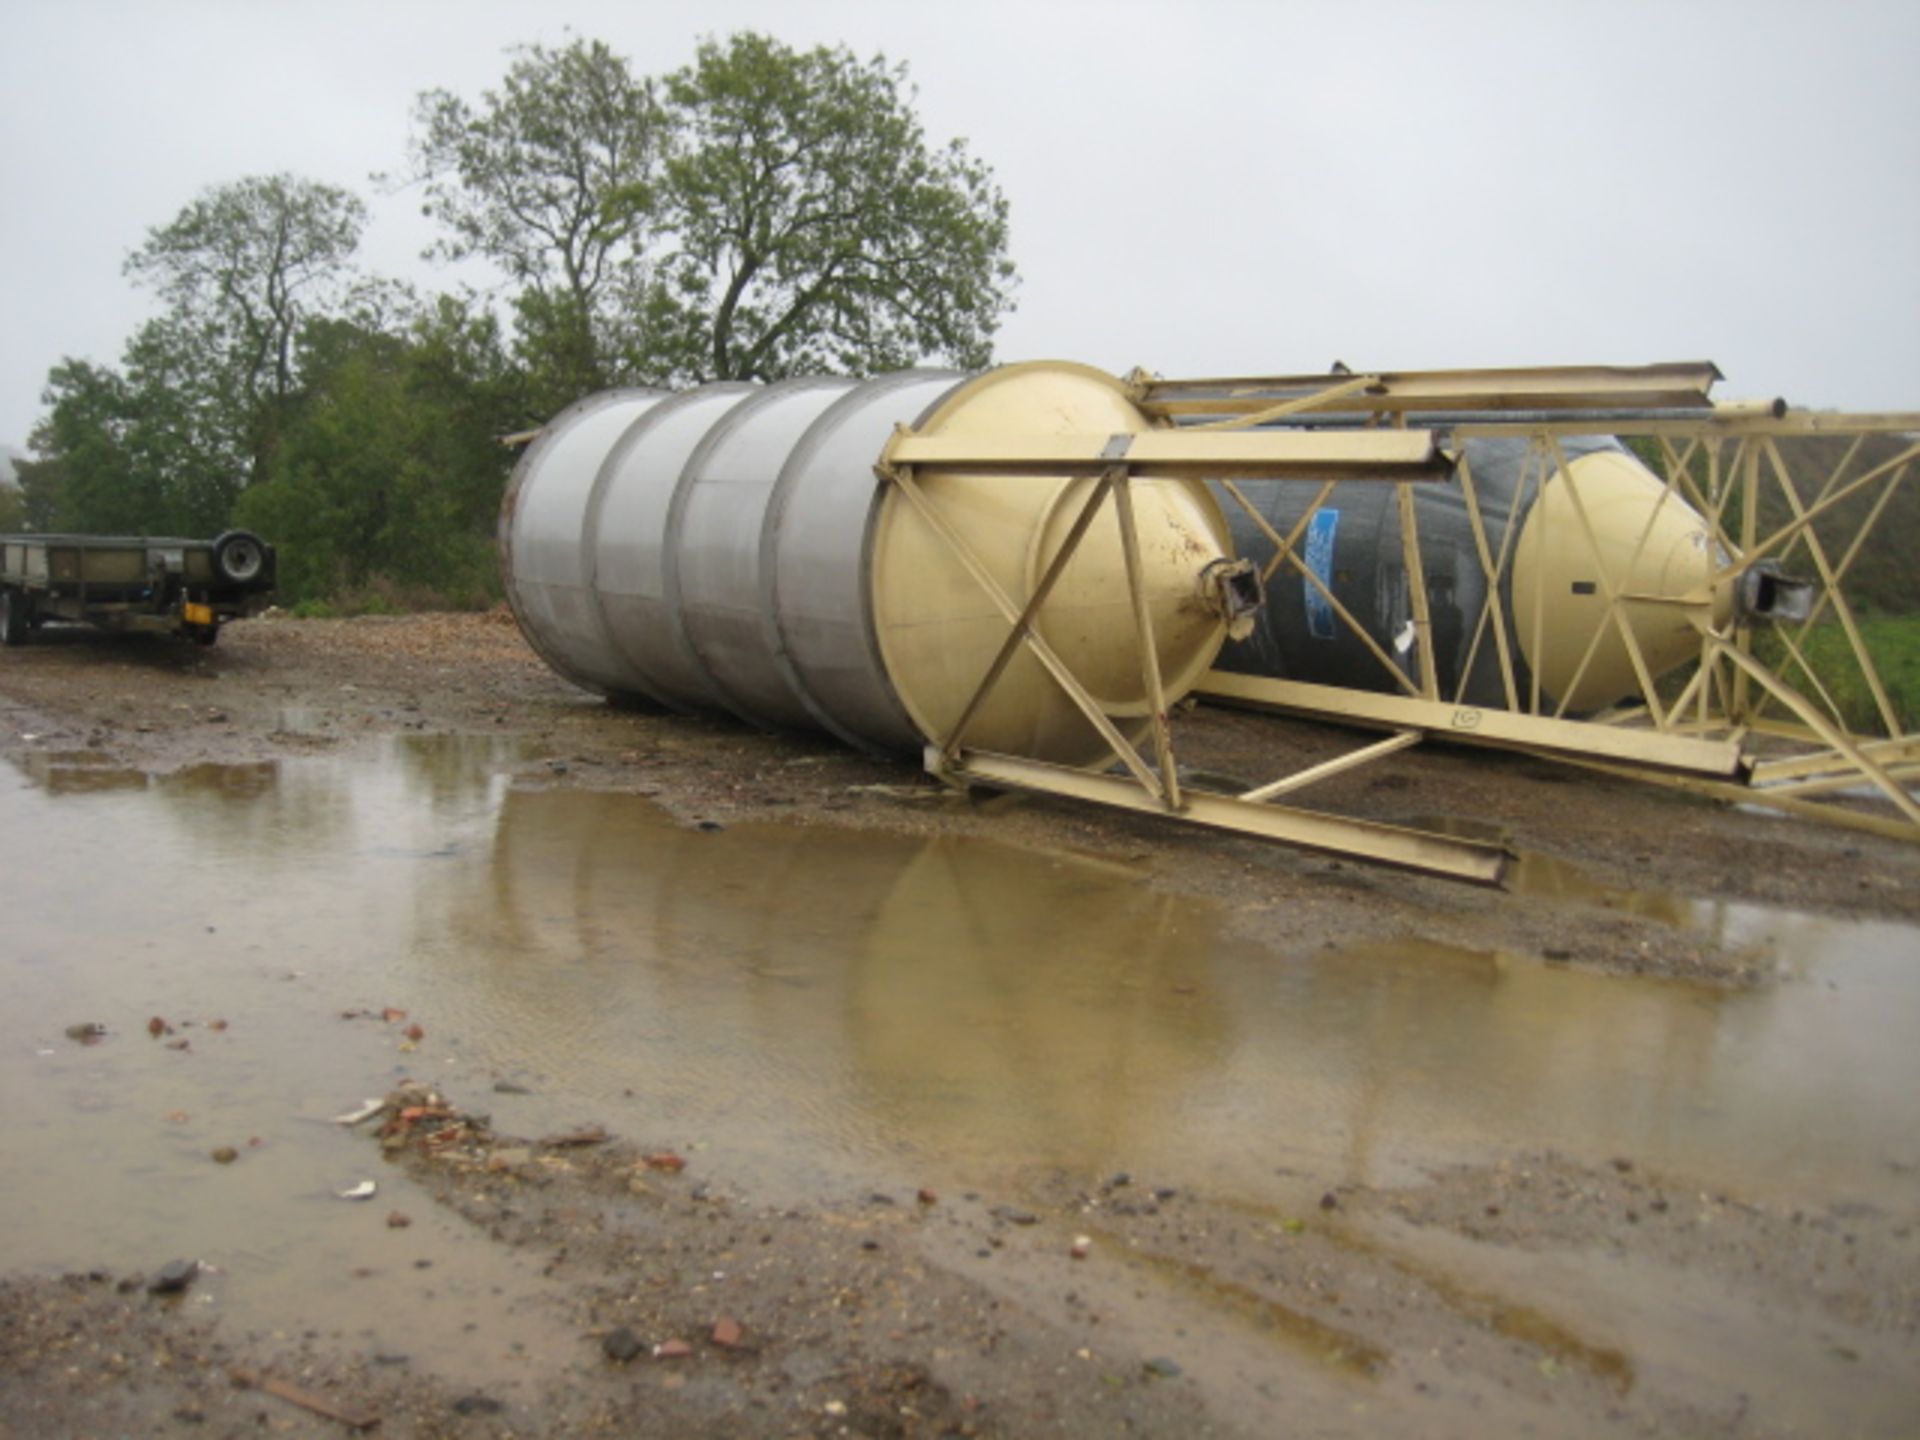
[832,981]
[860,995]
[273,898]
[77,772]
[811,1011]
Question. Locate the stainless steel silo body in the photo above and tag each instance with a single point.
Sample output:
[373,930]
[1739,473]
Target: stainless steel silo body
[733,548]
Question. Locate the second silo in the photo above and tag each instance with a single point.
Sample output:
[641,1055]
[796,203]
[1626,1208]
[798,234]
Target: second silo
[1598,524]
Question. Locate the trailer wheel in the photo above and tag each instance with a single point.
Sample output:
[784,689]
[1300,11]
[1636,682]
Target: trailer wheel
[16,617]
[239,556]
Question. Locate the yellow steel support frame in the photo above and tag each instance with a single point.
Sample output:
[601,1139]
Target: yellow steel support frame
[1715,727]
[1155,788]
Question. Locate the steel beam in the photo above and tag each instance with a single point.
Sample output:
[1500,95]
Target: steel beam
[1184,454]
[1833,763]
[1892,827]
[1681,386]
[1472,861]
[1339,765]
[1720,423]
[1472,725]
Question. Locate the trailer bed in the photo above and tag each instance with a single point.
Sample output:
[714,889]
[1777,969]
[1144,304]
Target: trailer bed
[121,582]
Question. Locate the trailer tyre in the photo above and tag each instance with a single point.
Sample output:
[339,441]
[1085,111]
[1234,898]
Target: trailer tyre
[239,556]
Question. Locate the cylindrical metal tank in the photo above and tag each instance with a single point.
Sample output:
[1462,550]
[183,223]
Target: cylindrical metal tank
[1650,543]
[731,548]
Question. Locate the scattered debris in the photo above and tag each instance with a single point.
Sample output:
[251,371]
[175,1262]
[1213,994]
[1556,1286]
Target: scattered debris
[352,1416]
[621,1345]
[508,1087]
[592,1135]
[664,1160]
[1082,1247]
[367,1111]
[174,1277]
[727,1332]
[157,1027]
[900,792]
[225,1155]
[363,1191]
[1014,1216]
[672,1350]
[415,1033]
[398,1220]
[1162,1367]
[928,1196]
[90,1032]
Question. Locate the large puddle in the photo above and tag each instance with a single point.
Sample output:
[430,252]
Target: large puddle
[809,1012]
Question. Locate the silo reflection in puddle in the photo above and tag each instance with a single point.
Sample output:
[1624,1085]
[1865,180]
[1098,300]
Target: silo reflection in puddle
[820,1004]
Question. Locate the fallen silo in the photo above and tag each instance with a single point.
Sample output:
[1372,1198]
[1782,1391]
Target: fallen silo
[1563,531]
[730,548]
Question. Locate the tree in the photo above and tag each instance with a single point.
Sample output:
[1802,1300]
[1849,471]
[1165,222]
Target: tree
[85,478]
[167,443]
[813,226]
[241,269]
[390,472]
[779,212]
[552,177]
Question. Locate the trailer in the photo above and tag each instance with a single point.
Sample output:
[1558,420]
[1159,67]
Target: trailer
[171,586]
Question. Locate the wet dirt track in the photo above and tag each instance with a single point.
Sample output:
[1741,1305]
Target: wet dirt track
[1630,1150]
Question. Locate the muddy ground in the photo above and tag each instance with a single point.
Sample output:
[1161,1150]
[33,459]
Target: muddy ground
[910,1314]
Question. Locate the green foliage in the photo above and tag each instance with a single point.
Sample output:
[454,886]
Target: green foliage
[86,479]
[389,465]
[780,213]
[813,228]
[240,270]
[167,443]
[1894,643]
[1882,576]
[553,178]
[761,213]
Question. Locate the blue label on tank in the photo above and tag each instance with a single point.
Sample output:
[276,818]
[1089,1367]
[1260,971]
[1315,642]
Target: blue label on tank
[1320,532]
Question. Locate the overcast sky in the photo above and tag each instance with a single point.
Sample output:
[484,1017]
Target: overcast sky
[1201,188]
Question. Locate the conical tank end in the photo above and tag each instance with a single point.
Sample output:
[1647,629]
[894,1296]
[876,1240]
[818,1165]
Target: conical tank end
[941,618]
[1610,551]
